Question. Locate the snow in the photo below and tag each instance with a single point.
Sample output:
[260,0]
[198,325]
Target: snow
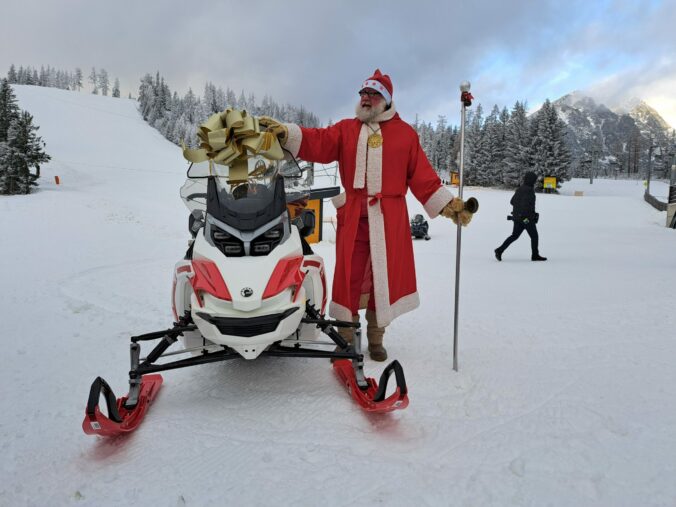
[566,393]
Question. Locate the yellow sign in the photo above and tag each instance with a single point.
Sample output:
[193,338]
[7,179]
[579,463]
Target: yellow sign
[455,179]
[549,182]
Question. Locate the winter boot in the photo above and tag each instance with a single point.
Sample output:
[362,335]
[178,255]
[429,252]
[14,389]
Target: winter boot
[375,337]
[498,254]
[538,257]
[347,333]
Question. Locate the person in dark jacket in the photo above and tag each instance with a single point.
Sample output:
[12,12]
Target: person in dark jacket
[524,217]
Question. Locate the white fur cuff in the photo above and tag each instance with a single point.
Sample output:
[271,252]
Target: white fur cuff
[437,201]
[293,139]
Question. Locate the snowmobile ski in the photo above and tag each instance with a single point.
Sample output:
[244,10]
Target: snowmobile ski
[120,420]
[372,398]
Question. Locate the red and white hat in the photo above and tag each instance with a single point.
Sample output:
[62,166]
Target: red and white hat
[381,83]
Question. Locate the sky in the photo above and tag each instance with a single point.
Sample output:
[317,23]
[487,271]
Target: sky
[317,53]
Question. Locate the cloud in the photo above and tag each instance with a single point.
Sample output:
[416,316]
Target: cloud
[318,53]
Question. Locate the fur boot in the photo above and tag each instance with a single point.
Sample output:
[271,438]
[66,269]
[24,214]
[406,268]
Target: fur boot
[375,336]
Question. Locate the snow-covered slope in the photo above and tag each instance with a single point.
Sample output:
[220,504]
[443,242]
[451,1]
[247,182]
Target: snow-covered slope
[566,393]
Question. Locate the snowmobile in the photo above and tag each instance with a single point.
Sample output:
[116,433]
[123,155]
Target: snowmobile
[420,227]
[249,286]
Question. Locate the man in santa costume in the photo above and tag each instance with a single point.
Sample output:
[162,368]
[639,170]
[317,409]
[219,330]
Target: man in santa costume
[380,159]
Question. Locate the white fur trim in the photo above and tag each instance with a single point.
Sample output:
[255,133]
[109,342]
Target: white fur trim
[340,312]
[294,138]
[381,287]
[388,114]
[360,163]
[405,304]
[379,87]
[339,200]
[437,201]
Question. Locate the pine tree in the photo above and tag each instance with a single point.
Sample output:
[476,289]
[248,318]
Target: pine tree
[517,146]
[116,88]
[22,151]
[494,146]
[475,157]
[104,82]
[11,75]
[9,110]
[77,80]
[94,80]
[550,155]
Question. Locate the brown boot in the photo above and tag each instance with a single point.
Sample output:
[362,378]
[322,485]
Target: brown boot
[347,333]
[375,337]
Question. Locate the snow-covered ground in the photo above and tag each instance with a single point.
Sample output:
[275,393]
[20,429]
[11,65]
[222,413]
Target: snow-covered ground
[566,393]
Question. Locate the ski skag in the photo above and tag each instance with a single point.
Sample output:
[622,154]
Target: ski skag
[119,420]
[372,396]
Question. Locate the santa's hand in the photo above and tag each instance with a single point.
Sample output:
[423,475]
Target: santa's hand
[464,217]
[460,211]
[275,127]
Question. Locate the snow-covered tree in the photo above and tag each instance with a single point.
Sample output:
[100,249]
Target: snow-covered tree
[494,149]
[9,110]
[22,150]
[77,79]
[11,74]
[550,155]
[517,146]
[116,88]
[94,80]
[475,148]
[104,82]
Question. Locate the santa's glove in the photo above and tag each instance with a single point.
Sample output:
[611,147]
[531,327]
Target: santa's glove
[461,211]
[275,127]
[464,217]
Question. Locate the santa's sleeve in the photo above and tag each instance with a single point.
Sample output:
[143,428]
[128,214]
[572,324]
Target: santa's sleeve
[425,183]
[314,144]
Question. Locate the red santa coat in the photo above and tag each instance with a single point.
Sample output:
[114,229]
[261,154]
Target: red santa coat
[384,175]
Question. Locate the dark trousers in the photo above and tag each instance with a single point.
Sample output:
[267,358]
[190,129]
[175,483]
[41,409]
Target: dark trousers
[519,227]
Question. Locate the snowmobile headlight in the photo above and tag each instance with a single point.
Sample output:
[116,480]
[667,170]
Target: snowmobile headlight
[221,235]
[266,242]
[262,248]
[230,245]
[274,233]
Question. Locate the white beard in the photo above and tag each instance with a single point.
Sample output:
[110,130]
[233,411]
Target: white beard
[367,115]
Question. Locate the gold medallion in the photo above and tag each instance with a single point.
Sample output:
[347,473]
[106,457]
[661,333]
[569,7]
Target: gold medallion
[375,141]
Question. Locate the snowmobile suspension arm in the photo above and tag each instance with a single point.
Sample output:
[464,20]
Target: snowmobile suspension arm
[327,325]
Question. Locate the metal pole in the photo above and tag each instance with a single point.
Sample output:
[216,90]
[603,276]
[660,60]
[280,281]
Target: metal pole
[466,99]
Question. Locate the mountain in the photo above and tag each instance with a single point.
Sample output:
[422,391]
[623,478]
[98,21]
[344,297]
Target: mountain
[613,134]
[647,118]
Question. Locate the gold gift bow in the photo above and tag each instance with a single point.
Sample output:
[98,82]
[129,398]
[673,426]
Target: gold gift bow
[230,138]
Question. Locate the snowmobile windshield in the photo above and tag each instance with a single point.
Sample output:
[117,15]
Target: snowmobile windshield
[249,195]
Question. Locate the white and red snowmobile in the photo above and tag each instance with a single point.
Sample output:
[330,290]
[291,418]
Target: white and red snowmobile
[249,286]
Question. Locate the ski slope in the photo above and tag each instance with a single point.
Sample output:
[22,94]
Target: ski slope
[566,393]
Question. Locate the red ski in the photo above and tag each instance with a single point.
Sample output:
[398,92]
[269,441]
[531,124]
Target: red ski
[372,397]
[120,419]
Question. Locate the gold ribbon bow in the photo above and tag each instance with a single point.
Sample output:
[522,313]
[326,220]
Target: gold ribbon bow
[230,138]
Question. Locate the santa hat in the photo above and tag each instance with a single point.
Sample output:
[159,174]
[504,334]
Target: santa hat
[381,83]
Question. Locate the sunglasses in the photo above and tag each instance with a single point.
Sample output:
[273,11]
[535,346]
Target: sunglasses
[368,93]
